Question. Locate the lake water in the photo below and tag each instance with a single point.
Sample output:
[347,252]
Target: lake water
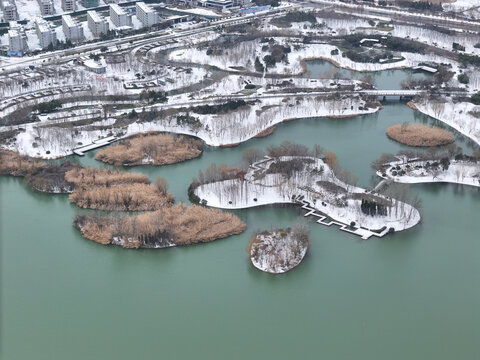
[411,295]
[384,80]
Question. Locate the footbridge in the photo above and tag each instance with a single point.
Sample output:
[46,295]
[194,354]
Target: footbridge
[399,92]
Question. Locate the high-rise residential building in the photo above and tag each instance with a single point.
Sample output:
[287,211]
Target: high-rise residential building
[72,29]
[17,40]
[46,35]
[147,16]
[119,16]
[69,5]
[9,10]
[46,7]
[97,24]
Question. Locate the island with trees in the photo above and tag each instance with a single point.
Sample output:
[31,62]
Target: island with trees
[292,174]
[443,167]
[151,149]
[280,250]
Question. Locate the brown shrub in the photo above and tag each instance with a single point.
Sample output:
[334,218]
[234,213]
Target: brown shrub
[419,135]
[159,149]
[114,190]
[128,197]
[98,177]
[180,224]
[39,175]
[12,163]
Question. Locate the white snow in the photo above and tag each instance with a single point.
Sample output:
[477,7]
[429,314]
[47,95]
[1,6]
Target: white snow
[277,251]
[458,172]
[457,115]
[259,188]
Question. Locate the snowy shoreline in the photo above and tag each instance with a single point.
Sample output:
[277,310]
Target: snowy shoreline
[458,172]
[262,188]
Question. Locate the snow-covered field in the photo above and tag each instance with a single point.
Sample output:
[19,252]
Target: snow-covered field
[242,57]
[216,130]
[457,115]
[458,172]
[343,205]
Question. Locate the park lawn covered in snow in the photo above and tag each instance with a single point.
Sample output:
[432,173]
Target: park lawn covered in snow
[228,128]
[462,116]
[242,57]
[316,185]
[458,172]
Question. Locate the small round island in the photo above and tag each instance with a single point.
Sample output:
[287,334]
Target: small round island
[419,135]
[280,250]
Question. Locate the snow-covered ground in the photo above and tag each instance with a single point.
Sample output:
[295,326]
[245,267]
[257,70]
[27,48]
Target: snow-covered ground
[216,130]
[242,57]
[197,11]
[457,115]
[342,205]
[458,172]
[235,84]
[277,251]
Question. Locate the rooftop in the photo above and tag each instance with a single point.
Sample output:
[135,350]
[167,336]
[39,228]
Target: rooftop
[95,16]
[117,9]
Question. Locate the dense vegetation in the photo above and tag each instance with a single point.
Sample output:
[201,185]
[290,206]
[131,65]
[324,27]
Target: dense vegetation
[40,175]
[115,190]
[47,107]
[419,135]
[150,148]
[294,17]
[168,226]
[226,107]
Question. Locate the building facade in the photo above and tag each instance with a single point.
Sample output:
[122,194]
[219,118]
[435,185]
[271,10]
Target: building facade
[69,5]
[46,35]
[46,7]
[119,16]
[97,24]
[147,16]
[17,40]
[72,29]
[9,10]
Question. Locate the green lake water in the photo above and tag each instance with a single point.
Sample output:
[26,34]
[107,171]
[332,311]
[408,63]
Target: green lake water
[384,80]
[411,295]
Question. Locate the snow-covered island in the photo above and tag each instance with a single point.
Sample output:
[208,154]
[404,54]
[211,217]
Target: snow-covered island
[464,171]
[310,182]
[278,251]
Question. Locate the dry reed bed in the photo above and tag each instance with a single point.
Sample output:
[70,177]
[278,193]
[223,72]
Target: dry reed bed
[12,163]
[114,190]
[41,176]
[419,135]
[178,224]
[154,149]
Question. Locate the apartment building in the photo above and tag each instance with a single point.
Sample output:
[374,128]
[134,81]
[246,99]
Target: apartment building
[97,24]
[17,40]
[119,16]
[147,16]
[72,29]
[9,10]
[46,35]
[69,5]
[46,7]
